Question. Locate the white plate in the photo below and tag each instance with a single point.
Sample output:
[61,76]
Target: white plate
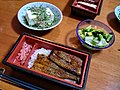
[53,8]
[117,12]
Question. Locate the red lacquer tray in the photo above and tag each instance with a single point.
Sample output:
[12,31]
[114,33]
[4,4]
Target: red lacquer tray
[37,43]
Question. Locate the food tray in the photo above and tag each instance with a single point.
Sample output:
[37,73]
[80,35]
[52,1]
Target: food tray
[37,43]
[85,11]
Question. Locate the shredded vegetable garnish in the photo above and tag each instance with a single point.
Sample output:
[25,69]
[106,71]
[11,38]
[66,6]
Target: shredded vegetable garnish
[40,17]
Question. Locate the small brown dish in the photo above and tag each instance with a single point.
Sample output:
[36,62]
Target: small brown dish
[86,8]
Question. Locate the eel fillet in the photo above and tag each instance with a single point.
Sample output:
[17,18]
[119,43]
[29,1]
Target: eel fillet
[67,61]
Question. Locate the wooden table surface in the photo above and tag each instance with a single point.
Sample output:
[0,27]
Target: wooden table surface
[104,72]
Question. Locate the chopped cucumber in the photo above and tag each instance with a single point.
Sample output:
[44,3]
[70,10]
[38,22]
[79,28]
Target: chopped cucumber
[82,36]
[89,33]
[109,37]
[95,37]
[100,37]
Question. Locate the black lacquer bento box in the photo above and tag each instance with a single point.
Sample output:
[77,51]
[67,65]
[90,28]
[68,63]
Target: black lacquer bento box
[86,8]
[21,53]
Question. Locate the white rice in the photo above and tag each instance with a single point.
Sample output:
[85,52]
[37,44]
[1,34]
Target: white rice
[34,55]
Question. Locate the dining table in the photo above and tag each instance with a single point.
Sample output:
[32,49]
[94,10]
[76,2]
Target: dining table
[104,70]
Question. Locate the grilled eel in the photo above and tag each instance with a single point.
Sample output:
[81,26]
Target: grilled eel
[67,61]
[41,58]
[43,64]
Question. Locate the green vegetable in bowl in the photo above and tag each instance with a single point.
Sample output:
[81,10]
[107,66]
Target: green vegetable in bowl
[95,37]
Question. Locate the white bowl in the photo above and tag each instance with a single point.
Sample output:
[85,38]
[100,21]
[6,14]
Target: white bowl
[117,12]
[99,25]
[53,8]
